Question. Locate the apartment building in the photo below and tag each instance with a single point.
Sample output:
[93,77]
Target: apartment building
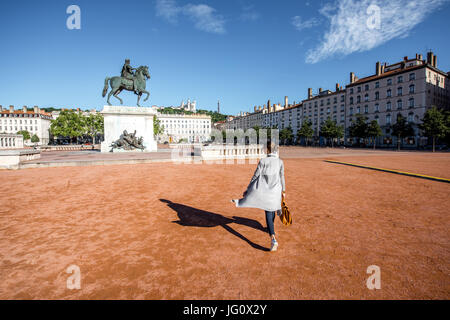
[193,128]
[325,104]
[35,121]
[409,87]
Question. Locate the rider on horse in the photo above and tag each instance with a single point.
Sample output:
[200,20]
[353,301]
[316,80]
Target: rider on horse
[127,73]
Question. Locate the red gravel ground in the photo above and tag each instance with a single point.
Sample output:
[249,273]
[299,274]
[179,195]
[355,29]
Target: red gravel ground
[167,231]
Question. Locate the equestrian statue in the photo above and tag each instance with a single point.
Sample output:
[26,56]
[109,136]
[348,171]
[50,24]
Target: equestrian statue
[130,79]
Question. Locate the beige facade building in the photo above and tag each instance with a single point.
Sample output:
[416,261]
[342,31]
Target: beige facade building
[409,87]
[35,121]
[325,104]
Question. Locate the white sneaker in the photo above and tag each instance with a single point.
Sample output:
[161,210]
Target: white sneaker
[274,246]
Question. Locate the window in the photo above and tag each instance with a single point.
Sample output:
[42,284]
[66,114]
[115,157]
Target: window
[377,95]
[358,110]
[377,107]
[412,76]
[366,109]
[412,88]
[399,91]
[359,89]
[411,102]
[342,108]
[335,100]
[377,84]
[399,104]
[389,93]
[366,87]
[366,97]
[400,79]
[351,90]
[351,111]
[342,98]
[389,82]
[411,117]
[358,99]
[388,106]
[388,119]
[351,100]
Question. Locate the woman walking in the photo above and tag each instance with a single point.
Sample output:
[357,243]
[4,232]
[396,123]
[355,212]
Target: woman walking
[266,189]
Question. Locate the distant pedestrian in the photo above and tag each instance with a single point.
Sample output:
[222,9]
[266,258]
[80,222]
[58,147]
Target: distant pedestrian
[266,189]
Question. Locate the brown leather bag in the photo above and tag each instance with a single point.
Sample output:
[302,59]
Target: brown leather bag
[285,217]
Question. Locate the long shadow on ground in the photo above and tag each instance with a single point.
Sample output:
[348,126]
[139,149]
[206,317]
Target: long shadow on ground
[193,217]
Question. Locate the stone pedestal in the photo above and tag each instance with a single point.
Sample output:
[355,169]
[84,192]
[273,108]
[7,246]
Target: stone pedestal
[120,118]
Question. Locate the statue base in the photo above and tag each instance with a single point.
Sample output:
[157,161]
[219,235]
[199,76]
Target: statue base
[120,118]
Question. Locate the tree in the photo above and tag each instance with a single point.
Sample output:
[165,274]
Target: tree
[306,131]
[434,124]
[35,139]
[358,128]
[68,124]
[374,131]
[339,132]
[93,125]
[330,130]
[25,134]
[402,129]
[157,127]
[257,128]
[447,125]
[287,135]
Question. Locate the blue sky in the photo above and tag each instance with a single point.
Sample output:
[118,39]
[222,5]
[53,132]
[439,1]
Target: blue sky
[242,52]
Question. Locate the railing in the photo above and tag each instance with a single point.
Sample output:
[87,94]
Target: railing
[11,141]
[69,147]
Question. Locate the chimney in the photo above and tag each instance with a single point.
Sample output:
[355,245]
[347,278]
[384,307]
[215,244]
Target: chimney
[378,68]
[383,67]
[337,87]
[255,108]
[24,109]
[309,93]
[1,108]
[434,61]
[36,109]
[405,58]
[430,58]
[420,57]
[285,101]
[320,90]
[352,77]
[268,102]
[11,109]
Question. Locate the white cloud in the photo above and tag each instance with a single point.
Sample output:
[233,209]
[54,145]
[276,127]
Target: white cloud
[249,14]
[203,16]
[168,10]
[350,31]
[300,25]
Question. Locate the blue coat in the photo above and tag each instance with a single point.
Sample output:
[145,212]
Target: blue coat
[264,189]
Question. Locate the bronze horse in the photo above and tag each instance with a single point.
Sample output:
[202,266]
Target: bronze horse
[119,83]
